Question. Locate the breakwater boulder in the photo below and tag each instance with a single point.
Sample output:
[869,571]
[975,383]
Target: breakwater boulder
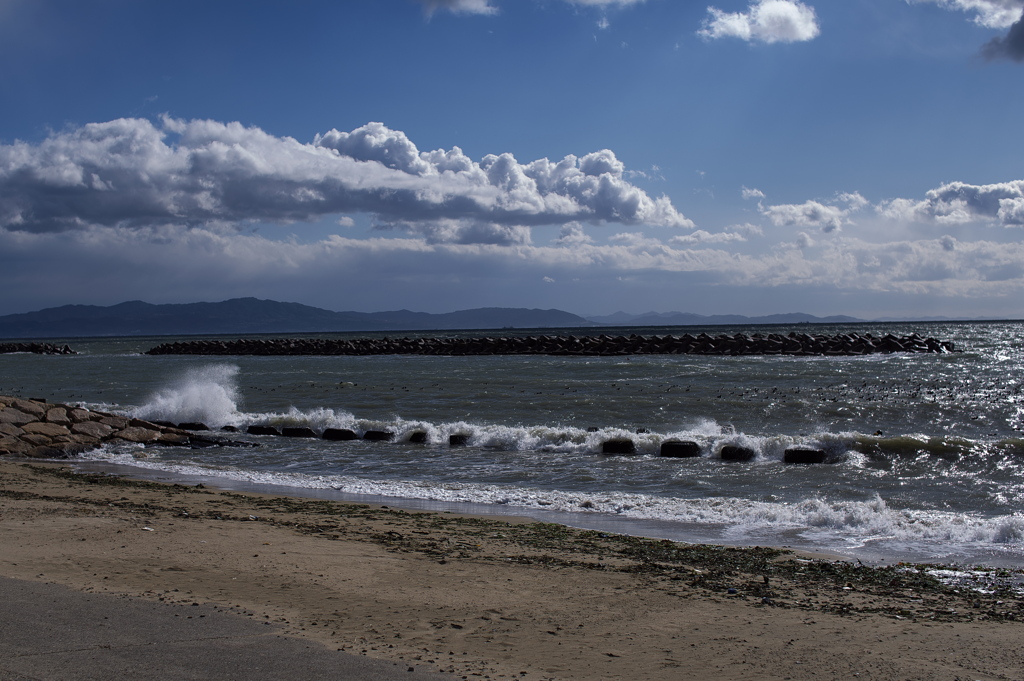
[39,429]
[797,344]
[680,449]
[37,348]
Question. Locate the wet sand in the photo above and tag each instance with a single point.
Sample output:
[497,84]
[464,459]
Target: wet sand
[499,597]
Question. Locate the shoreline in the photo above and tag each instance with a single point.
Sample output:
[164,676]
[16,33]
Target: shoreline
[486,597]
[656,528]
[40,429]
[598,522]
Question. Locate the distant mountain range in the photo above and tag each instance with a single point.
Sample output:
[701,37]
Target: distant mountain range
[250,315]
[690,319]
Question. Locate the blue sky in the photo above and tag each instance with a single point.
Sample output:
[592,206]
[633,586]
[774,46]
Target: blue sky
[859,157]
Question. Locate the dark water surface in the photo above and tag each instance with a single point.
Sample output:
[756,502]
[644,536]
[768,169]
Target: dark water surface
[926,452]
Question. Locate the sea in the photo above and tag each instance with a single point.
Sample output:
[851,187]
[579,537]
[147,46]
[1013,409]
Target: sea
[925,451]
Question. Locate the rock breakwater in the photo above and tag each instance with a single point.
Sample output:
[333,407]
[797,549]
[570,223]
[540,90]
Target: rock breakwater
[39,429]
[37,348]
[798,344]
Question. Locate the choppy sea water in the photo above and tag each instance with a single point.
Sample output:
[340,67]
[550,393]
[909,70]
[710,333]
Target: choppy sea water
[926,452]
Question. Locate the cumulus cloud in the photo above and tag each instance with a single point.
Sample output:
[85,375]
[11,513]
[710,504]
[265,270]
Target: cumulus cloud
[827,217]
[766,21]
[752,193]
[959,203]
[572,234]
[459,6]
[702,237]
[133,172]
[988,13]
[1010,46]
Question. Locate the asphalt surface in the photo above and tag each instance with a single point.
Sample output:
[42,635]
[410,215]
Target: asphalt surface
[50,632]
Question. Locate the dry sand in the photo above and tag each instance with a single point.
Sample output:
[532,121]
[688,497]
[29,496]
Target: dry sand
[490,598]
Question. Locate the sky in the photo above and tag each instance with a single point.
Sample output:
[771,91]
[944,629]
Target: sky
[862,157]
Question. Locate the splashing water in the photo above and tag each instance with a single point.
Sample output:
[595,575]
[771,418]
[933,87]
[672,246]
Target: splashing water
[207,394]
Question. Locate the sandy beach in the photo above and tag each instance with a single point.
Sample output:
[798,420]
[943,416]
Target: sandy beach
[499,598]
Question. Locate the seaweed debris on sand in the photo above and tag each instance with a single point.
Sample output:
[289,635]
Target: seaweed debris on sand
[500,597]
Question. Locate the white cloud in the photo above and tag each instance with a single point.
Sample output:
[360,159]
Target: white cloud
[853,200]
[459,6]
[827,217]
[959,203]
[703,237]
[807,214]
[464,232]
[747,229]
[988,13]
[752,193]
[767,21]
[572,234]
[994,14]
[1009,46]
[132,173]
[171,263]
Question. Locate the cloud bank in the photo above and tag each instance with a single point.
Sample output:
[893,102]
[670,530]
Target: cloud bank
[1010,46]
[987,13]
[766,21]
[154,208]
[957,203]
[133,173]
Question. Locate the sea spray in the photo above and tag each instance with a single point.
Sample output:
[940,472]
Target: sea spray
[207,394]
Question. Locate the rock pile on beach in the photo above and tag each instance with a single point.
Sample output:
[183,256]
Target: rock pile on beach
[798,344]
[38,429]
[37,348]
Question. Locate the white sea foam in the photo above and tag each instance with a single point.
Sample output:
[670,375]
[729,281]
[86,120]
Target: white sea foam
[208,394]
[828,524]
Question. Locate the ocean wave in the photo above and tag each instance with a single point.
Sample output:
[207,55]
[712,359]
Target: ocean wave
[818,521]
[209,394]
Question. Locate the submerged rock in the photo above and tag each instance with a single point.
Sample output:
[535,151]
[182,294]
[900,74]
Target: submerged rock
[298,432]
[737,453]
[804,455]
[339,434]
[680,449]
[618,446]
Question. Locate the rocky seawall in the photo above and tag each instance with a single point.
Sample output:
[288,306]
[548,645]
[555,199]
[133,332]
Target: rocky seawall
[37,348]
[38,429]
[799,344]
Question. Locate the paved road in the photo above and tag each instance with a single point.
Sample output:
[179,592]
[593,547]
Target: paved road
[51,633]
